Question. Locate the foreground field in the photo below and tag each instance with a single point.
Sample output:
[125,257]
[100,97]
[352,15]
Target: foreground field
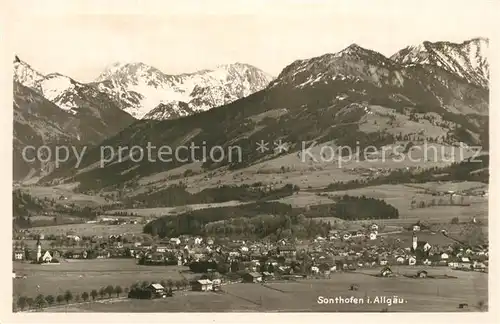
[80,276]
[422,295]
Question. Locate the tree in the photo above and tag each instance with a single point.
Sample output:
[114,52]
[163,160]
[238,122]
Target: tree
[163,283]
[68,296]
[118,291]
[454,220]
[21,302]
[77,298]
[178,284]
[170,283]
[30,302]
[144,284]
[102,292]
[185,282]
[40,301]
[85,296]
[94,294]
[59,299]
[109,290]
[50,300]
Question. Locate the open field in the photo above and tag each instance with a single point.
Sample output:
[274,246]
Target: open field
[79,276]
[72,197]
[400,197]
[88,229]
[163,211]
[423,295]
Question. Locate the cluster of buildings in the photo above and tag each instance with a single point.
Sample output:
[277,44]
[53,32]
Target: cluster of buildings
[339,251]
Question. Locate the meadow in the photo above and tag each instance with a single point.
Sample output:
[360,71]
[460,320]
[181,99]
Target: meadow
[422,295]
[88,229]
[79,276]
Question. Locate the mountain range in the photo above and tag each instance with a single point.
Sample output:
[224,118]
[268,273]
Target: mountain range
[146,92]
[433,91]
[88,113]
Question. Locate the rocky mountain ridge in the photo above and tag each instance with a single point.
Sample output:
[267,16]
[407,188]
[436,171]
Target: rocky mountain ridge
[146,92]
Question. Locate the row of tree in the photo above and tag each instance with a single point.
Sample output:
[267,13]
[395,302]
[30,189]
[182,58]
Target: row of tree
[42,301]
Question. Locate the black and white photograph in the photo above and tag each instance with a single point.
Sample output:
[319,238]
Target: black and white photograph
[288,156]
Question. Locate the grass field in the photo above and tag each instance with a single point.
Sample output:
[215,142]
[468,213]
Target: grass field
[422,295]
[79,276]
[163,211]
[88,229]
[400,197]
[72,197]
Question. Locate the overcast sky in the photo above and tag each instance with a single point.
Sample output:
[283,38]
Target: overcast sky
[81,42]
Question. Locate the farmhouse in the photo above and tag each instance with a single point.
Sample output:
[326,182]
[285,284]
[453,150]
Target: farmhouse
[46,257]
[386,272]
[18,255]
[252,277]
[202,285]
[157,290]
[422,274]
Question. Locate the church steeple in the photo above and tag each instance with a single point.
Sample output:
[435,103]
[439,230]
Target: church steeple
[38,249]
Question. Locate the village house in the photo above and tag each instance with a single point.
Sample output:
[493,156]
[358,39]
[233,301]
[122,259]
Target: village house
[252,277]
[422,274]
[161,249]
[373,236]
[386,272]
[202,285]
[46,257]
[75,238]
[175,241]
[18,254]
[103,254]
[400,259]
[412,260]
[157,290]
[286,251]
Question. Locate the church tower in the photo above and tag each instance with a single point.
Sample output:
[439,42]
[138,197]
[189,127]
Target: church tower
[38,249]
[414,242]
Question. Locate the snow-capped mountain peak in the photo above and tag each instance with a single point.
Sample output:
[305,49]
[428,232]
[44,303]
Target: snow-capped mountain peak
[468,60]
[142,88]
[26,75]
